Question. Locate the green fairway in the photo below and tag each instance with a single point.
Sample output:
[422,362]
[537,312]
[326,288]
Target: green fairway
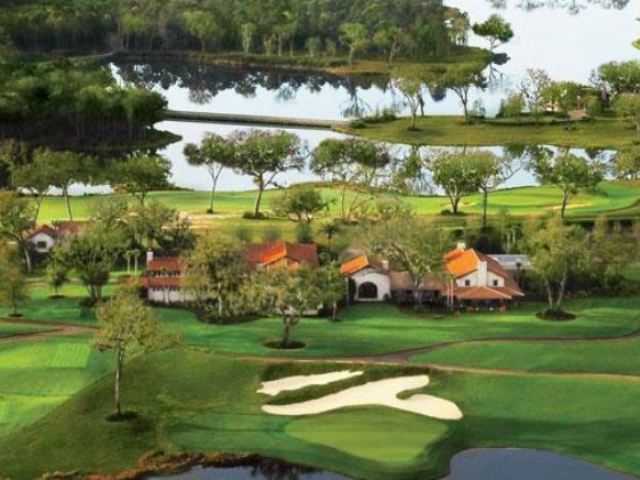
[603,133]
[378,329]
[12,328]
[197,401]
[612,197]
[615,356]
[36,377]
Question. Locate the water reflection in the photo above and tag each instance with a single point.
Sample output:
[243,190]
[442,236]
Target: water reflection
[264,470]
[509,464]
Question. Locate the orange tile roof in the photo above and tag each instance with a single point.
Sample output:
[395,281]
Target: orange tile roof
[261,254]
[463,264]
[482,293]
[453,254]
[354,266]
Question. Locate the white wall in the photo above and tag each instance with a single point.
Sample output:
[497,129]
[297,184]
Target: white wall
[380,280]
[43,237]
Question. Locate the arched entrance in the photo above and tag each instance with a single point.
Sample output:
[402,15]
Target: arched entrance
[368,291]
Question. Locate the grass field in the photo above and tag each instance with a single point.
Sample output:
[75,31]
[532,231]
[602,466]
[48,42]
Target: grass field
[36,377]
[616,198]
[197,401]
[604,133]
[12,328]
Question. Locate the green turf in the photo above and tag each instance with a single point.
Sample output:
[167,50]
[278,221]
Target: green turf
[377,329]
[37,376]
[197,401]
[611,197]
[615,356]
[603,133]
[12,328]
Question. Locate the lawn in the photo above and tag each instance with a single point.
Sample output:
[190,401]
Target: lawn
[618,198]
[195,400]
[378,329]
[38,376]
[602,133]
[12,328]
[607,357]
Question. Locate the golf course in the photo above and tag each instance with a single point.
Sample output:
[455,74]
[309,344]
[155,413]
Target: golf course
[567,387]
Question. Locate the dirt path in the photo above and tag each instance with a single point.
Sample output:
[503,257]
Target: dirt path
[55,331]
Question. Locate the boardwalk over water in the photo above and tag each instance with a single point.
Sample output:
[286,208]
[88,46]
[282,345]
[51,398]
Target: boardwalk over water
[257,120]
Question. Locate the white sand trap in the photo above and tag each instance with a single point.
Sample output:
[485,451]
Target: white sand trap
[296,383]
[382,392]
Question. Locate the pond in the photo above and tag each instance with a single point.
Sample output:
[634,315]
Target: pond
[523,464]
[555,39]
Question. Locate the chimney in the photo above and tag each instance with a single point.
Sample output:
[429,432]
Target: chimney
[483,274]
[385,265]
[149,257]
[462,246]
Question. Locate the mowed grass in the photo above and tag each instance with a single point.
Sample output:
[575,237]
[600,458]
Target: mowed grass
[615,197]
[37,376]
[13,328]
[379,329]
[603,133]
[195,400]
[606,357]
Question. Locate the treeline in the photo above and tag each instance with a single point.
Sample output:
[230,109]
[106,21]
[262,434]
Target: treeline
[46,100]
[416,29]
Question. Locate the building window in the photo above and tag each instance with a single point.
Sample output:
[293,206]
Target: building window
[467,283]
[41,245]
[496,283]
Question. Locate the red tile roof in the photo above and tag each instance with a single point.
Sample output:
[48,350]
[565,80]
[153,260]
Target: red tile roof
[46,229]
[68,228]
[161,282]
[483,293]
[354,266]
[169,264]
[264,254]
[462,263]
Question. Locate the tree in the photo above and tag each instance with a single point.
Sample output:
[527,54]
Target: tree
[218,277]
[263,155]
[628,105]
[569,172]
[461,79]
[202,25]
[532,88]
[495,29]
[303,204]
[333,287]
[626,164]
[17,219]
[247,31]
[491,171]
[141,174]
[564,96]
[411,89]
[127,326]
[608,252]
[455,175]
[354,36]
[36,177]
[408,246]
[57,274]
[557,251]
[65,168]
[389,39]
[13,283]
[215,153]
[93,256]
[354,165]
[291,293]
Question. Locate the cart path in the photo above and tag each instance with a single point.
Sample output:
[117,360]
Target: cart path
[51,331]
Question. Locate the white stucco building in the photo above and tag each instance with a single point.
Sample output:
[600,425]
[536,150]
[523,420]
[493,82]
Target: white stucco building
[368,283]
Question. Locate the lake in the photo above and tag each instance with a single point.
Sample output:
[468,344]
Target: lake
[568,41]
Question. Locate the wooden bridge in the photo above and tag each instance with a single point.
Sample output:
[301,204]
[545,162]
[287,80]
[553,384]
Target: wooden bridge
[256,120]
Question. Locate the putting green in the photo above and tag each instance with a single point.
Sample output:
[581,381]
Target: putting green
[371,433]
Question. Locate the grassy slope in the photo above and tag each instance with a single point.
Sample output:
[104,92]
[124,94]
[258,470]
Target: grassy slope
[12,328]
[610,133]
[182,405]
[36,377]
[611,197]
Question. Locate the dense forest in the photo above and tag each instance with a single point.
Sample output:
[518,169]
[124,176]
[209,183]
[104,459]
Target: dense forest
[417,29]
[81,106]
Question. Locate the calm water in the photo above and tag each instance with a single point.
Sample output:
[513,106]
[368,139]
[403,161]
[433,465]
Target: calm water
[512,464]
[568,41]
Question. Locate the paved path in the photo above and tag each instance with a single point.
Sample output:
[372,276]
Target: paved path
[50,331]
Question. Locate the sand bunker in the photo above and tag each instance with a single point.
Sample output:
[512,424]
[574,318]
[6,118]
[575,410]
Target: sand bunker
[296,383]
[383,392]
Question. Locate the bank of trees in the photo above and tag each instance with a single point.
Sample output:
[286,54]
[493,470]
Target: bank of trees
[416,29]
[69,106]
